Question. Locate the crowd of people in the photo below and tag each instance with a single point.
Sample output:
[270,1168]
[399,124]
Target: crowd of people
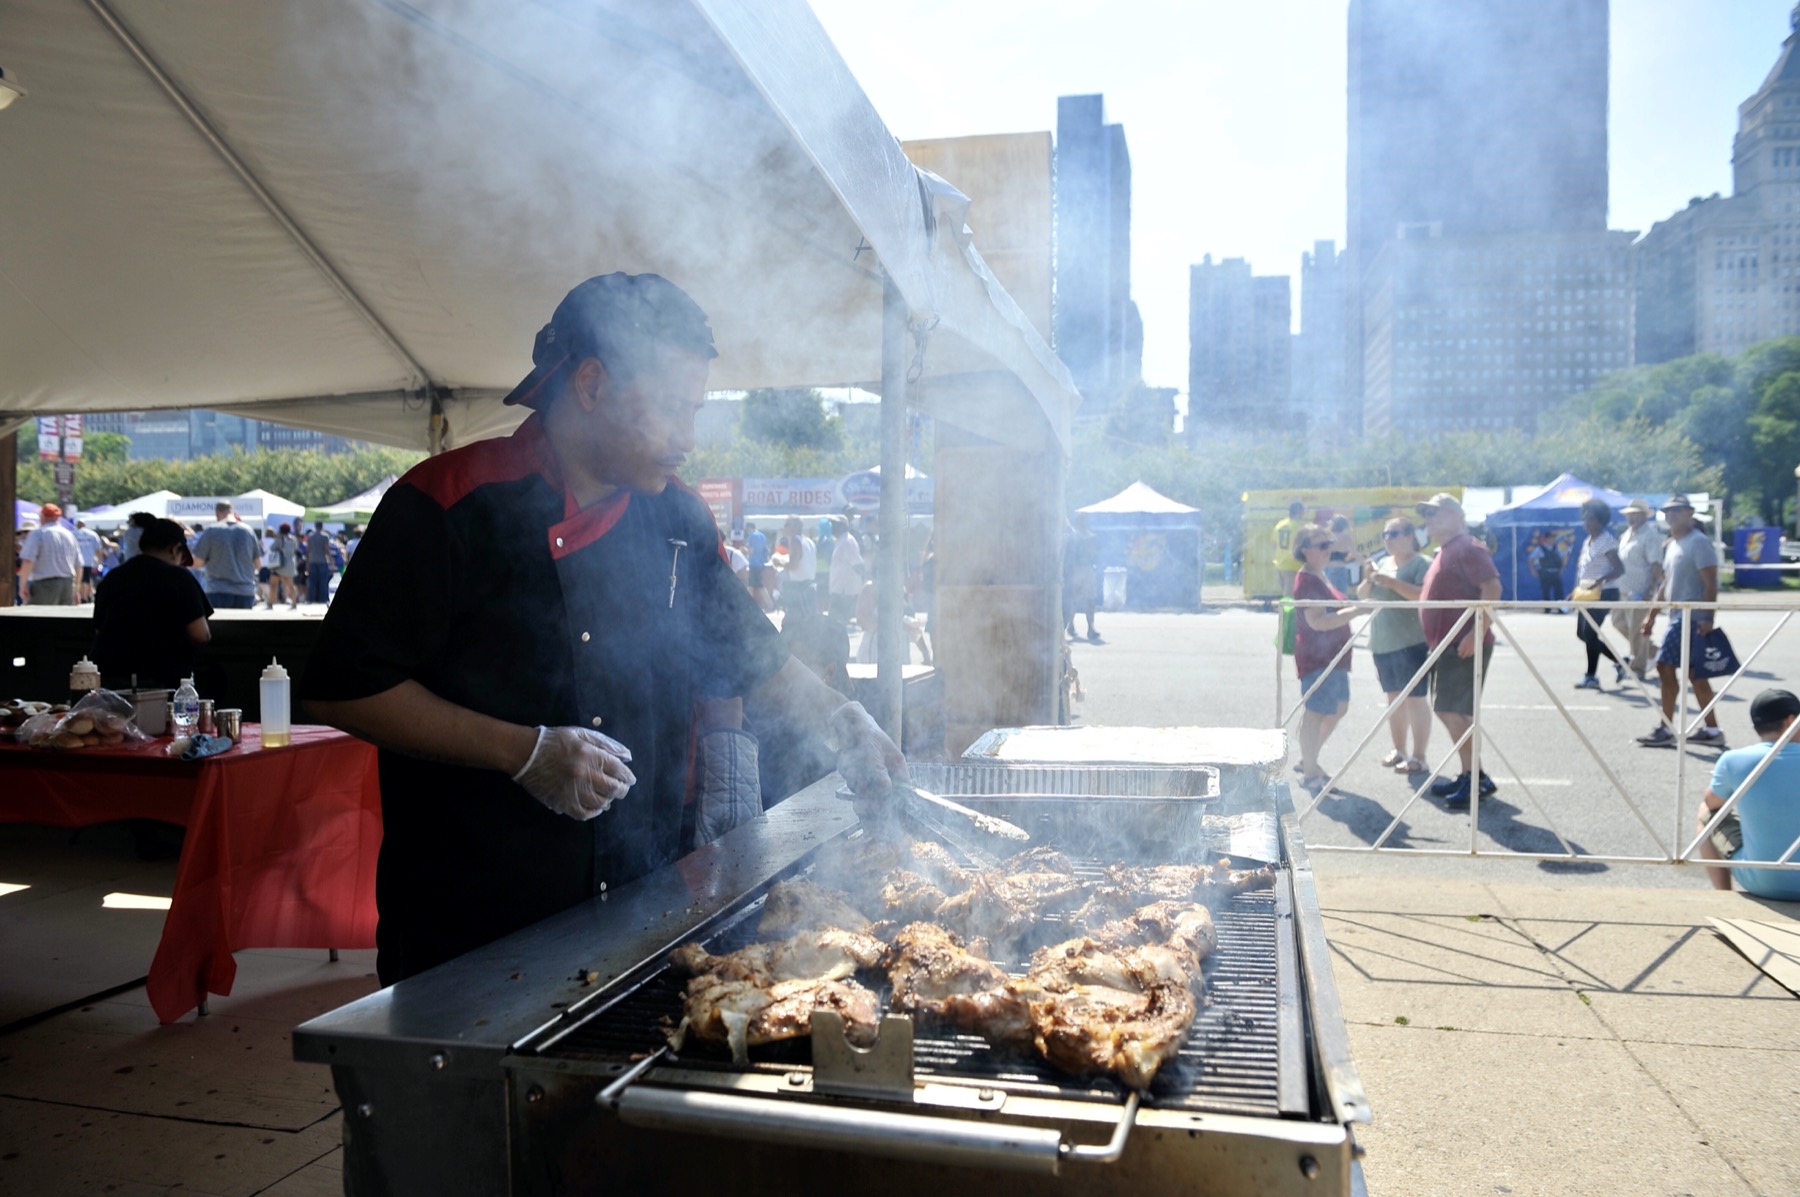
[62,561]
[1625,579]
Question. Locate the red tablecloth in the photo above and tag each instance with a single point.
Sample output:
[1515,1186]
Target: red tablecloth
[280,850]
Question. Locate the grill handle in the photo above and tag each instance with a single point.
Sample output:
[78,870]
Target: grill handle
[893,1136]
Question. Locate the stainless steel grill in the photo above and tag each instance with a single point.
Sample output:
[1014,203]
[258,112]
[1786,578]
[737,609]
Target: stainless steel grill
[533,1066]
[1243,1055]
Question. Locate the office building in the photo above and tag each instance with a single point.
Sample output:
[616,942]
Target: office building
[1318,394]
[1239,347]
[1489,332]
[1724,272]
[1470,118]
[1096,329]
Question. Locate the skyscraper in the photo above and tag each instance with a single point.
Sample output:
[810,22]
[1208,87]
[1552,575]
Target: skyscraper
[1471,119]
[1239,351]
[1318,390]
[1097,332]
[1724,273]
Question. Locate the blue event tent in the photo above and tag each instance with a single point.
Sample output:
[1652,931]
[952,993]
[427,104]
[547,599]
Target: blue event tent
[1156,541]
[1556,510]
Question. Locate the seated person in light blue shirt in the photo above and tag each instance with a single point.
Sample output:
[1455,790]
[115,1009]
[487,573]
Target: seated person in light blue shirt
[1766,819]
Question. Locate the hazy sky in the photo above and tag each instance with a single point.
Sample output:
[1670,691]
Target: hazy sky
[1235,117]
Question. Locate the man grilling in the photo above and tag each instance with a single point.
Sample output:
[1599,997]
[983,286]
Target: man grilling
[532,623]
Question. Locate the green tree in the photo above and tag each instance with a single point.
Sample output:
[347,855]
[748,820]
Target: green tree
[791,417]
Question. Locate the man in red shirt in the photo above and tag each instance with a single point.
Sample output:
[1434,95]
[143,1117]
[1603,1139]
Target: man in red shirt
[1462,570]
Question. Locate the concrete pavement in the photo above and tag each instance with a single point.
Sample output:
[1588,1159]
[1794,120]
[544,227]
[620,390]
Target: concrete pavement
[1541,1039]
[1521,1026]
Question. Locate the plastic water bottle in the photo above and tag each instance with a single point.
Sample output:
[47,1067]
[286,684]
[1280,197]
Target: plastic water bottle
[184,709]
[277,726]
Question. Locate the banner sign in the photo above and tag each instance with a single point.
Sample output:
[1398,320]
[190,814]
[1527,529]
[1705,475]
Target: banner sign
[791,496]
[59,438]
[724,498]
[202,507]
[860,491]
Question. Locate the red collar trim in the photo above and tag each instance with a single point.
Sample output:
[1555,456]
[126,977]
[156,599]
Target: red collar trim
[587,524]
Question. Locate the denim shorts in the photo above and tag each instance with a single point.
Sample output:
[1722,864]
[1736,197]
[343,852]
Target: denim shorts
[1332,696]
[1395,669]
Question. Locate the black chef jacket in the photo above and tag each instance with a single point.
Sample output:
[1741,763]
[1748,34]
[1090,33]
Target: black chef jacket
[481,579]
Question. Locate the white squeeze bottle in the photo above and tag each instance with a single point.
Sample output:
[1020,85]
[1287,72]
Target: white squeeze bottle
[277,728]
[184,708]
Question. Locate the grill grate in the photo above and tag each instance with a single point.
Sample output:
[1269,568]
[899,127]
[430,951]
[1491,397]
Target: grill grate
[1235,1059]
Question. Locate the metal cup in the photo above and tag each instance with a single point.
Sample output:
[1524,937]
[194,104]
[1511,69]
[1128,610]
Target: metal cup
[230,721]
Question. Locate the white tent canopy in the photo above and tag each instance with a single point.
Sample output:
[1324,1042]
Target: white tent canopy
[359,506]
[1139,499]
[156,503]
[338,214]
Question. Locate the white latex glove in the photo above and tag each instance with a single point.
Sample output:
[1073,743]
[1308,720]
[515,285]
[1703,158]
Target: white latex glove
[576,772]
[866,758]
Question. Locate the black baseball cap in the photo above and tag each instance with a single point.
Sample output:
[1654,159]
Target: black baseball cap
[1771,707]
[617,318]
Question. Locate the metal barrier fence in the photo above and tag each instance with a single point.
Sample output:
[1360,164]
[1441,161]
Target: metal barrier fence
[1678,846]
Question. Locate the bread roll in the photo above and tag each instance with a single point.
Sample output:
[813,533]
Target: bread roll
[81,725]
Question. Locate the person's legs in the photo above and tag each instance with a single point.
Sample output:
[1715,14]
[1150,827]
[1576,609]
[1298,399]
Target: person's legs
[1418,718]
[1456,723]
[1671,689]
[1397,723]
[1703,693]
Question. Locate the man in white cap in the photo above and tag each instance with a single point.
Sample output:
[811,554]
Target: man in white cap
[1690,570]
[1640,551]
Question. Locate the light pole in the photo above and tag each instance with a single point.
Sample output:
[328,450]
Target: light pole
[1797,502]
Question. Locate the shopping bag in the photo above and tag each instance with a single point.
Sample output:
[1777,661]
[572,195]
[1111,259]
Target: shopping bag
[1286,634]
[1713,656]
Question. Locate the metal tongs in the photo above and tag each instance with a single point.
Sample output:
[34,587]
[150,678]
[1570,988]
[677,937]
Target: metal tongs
[966,831]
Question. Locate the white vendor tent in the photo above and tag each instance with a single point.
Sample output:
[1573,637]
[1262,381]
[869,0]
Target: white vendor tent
[1139,498]
[357,508]
[276,510]
[353,215]
[156,503]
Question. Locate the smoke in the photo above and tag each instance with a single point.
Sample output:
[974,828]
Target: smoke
[525,147]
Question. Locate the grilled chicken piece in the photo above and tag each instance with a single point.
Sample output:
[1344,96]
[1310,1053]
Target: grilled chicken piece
[1042,859]
[934,974]
[828,955]
[934,861]
[743,1014]
[1185,925]
[907,897]
[794,906]
[1124,1033]
[1207,882]
[1006,907]
[1121,1001]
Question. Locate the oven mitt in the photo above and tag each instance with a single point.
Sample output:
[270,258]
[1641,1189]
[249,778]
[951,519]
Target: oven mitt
[729,789]
[576,772]
[866,759]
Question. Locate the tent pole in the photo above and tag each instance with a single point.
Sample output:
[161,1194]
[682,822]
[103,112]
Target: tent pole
[891,648]
[9,494]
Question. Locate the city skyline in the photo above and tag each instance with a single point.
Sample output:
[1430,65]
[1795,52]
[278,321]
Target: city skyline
[1236,117]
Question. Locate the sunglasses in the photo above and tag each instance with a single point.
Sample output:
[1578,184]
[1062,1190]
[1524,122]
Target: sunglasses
[1315,544]
[1389,535]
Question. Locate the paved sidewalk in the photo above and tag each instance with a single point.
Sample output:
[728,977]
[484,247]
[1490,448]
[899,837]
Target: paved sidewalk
[1528,1039]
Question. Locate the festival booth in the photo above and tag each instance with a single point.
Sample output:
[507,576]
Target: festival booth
[117,516]
[1156,541]
[1555,513]
[356,509]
